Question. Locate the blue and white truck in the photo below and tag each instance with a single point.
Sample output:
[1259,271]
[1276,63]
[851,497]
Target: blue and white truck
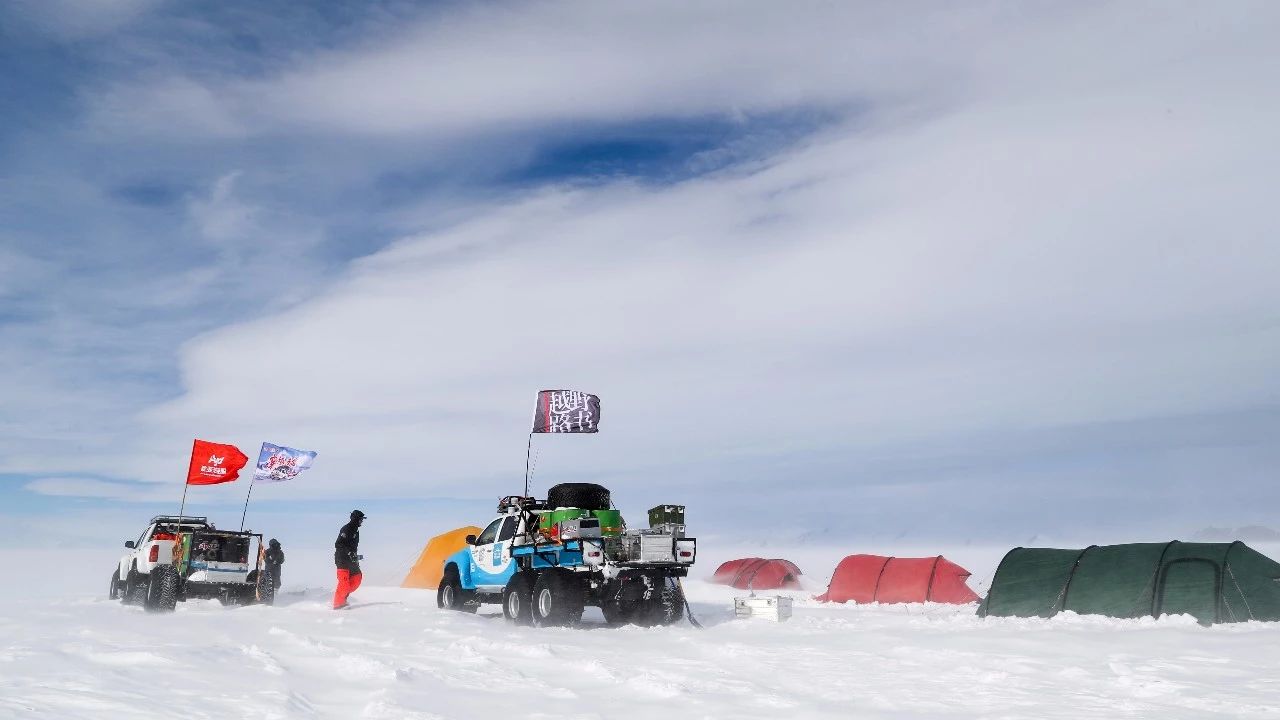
[545,561]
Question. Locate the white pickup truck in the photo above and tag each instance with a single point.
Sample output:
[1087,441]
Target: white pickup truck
[177,558]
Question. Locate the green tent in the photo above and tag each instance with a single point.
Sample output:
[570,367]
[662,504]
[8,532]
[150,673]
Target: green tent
[1215,582]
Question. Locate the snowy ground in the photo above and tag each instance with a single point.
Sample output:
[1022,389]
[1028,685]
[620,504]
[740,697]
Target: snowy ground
[394,655]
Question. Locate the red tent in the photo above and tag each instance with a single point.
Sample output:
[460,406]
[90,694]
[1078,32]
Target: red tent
[875,578]
[758,574]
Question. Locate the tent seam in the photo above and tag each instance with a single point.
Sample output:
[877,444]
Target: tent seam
[1066,589]
[875,591]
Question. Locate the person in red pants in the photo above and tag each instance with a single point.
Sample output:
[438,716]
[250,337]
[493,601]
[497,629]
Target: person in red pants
[346,556]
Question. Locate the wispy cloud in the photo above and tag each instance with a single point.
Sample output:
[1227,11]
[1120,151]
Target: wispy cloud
[1011,228]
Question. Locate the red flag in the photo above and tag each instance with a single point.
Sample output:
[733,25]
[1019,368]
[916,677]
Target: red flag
[213,463]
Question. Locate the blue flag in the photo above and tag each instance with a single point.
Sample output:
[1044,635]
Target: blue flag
[277,463]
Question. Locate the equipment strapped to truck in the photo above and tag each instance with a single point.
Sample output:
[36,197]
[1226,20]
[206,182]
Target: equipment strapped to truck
[544,561]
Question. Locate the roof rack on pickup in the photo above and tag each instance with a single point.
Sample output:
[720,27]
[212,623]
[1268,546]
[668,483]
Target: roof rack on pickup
[185,519]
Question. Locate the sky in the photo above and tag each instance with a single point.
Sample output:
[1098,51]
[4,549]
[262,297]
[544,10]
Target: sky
[998,270]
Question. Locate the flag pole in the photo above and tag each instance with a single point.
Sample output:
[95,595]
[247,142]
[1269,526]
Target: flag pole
[186,483]
[528,449]
[246,503]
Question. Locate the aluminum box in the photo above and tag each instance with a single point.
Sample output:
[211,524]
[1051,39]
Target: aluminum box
[763,607]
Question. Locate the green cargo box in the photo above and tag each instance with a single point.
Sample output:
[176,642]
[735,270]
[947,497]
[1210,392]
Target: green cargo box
[666,514]
[610,522]
[555,517]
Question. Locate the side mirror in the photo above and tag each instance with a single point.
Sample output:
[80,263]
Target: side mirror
[129,544]
[471,539]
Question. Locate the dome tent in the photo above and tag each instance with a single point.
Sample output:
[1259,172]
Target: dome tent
[758,574]
[1214,582]
[429,567]
[876,578]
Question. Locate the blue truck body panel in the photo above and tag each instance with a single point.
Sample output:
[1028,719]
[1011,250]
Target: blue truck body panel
[473,576]
[568,554]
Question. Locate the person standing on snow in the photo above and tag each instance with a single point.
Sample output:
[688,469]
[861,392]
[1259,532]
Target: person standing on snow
[274,558]
[346,557]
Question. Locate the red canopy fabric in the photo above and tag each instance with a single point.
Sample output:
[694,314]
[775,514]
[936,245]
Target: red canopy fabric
[876,578]
[758,574]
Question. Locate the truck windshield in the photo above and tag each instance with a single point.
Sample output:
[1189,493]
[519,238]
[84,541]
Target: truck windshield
[490,533]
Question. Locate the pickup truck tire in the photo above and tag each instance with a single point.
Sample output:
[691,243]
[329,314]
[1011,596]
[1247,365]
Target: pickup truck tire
[162,589]
[587,496]
[665,607]
[613,614]
[517,599]
[557,599]
[266,590]
[135,589]
[451,596]
[114,593]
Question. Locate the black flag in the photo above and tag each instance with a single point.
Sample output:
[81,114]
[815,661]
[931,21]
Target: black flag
[566,411]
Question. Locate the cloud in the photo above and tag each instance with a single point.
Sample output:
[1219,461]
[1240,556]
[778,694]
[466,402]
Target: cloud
[1018,226]
[84,488]
[79,19]
[886,284]
[496,67]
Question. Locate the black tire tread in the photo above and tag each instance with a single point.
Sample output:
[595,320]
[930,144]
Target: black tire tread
[162,589]
[461,598]
[567,599]
[519,583]
[588,496]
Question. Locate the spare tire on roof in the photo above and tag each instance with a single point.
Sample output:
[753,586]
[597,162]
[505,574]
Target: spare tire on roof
[587,496]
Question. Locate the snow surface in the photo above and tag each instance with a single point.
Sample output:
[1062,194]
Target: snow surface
[67,652]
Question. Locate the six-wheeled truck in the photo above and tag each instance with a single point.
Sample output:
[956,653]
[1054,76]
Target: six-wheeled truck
[179,558]
[545,561]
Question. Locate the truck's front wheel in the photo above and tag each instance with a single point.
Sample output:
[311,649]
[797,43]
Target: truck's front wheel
[114,593]
[557,599]
[135,589]
[450,595]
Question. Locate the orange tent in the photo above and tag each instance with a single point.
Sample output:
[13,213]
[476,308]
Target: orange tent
[429,568]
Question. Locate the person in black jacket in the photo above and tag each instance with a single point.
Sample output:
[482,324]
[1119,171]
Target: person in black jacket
[273,559]
[347,558]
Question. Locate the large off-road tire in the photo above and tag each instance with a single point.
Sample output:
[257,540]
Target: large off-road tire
[587,496]
[557,599]
[665,606]
[162,589]
[625,603]
[114,592]
[451,596]
[613,613]
[517,599]
[267,590]
[135,589]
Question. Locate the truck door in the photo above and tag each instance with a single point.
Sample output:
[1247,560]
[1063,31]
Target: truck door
[501,560]
[126,562]
[482,554]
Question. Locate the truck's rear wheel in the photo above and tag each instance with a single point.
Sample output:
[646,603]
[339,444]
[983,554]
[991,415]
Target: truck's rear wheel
[451,596]
[557,599]
[517,599]
[665,606]
[162,589]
